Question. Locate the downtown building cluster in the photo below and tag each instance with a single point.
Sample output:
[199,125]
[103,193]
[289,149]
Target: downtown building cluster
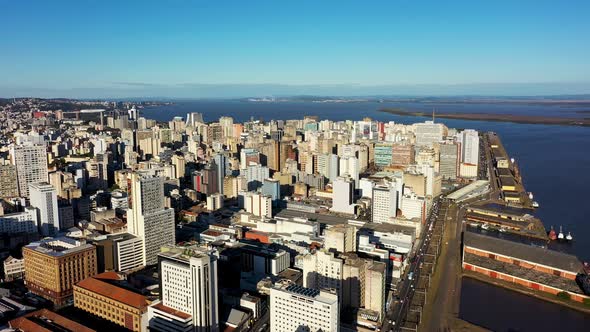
[210,226]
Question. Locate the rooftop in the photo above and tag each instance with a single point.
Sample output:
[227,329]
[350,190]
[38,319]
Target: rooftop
[184,253]
[300,290]
[46,321]
[523,251]
[502,208]
[119,294]
[59,246]
[161,307]
[524,273]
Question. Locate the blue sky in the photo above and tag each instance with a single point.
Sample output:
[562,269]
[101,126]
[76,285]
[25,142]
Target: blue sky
[233,48]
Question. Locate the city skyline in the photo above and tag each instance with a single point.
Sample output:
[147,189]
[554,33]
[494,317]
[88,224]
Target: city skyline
[272,166]
[192,50]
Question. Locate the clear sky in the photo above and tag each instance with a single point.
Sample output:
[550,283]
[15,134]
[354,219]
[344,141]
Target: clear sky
[172,48]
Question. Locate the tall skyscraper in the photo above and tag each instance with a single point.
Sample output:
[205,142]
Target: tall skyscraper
[31,166]
[323,269]
[384,204]
[210,179]
[221,163]
[258,204]
[193,119]
[469,140]
[147,218]
[188,291]
[227,125]
[272,188]
[350,166]
[343,195]
[448,161]
[44,199]
[255,174]
[341,238]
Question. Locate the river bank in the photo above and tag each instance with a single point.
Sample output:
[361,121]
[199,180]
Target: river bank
[524,119]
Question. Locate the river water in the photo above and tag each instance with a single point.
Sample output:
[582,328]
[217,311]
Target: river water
[501,309]
[554,162]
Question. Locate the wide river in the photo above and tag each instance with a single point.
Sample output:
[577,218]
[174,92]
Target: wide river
[554,162]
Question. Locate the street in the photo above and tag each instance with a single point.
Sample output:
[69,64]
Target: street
[398,309]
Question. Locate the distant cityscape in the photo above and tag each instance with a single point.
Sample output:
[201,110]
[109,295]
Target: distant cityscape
[110,220]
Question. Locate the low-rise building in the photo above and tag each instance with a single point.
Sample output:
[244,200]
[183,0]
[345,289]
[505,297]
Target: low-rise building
[252,303]
[20,222]
[46,321]
[526,265]
[102,297]
[14,268]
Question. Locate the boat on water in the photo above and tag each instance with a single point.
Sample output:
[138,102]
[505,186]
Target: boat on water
[552,234]
[485,226]
[560,236]
[569,236]
[502,230]
[534,203]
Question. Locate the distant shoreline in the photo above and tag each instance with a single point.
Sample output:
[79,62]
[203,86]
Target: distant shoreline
[525,119]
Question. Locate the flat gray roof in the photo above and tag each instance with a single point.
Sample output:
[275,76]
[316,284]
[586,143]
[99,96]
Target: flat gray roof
[523,251]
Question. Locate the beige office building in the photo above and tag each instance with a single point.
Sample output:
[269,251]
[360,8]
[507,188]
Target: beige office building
[54,265]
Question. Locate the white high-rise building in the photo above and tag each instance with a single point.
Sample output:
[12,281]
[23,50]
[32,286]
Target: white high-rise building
[296,308]
[194,119]
[127,250]
[227,126]
[31,166]
[343,195]
[214,202]
[469,140]
[413,206]
[44,199]
[341,238]
[350,166]
[322,269]
[328,165]
[366,187]
[147,217]
[188,291]
[257,173]
[255,203]
[384,204]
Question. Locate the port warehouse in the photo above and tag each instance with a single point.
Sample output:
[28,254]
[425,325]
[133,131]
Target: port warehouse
[515,219]
[526,265]
[503,176]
